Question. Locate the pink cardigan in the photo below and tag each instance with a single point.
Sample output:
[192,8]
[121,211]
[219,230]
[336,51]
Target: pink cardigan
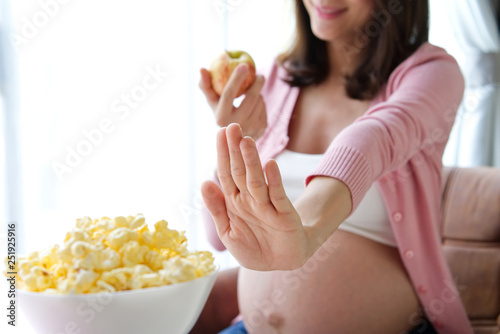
[398,143]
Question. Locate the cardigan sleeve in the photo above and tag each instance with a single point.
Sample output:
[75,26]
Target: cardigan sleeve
[415,115]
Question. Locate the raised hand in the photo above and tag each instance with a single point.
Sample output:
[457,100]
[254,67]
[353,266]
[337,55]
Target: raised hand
[254,219]
[251,114]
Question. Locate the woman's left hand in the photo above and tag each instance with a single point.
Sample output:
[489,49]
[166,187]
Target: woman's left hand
[254,218]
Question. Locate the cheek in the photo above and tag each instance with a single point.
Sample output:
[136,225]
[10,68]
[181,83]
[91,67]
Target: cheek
[364,12]
[371,4]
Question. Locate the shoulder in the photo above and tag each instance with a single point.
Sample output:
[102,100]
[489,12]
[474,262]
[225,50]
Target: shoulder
[428,53]
[274,74]
[430,77]
[278,95]
[428,62]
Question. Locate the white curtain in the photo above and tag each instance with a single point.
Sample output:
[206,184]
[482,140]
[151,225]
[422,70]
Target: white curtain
[10,197]
[475,138]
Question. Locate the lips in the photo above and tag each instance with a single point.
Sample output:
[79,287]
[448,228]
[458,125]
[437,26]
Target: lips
[329,13]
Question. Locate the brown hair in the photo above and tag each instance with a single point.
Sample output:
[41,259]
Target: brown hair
[398,28]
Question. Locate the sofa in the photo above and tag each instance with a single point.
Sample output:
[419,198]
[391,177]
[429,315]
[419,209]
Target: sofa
[471,241]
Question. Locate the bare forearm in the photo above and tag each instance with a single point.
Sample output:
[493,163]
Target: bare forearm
[324,205]
[222,304]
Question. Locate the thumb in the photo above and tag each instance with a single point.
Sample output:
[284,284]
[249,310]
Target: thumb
[216,205]
[205,85]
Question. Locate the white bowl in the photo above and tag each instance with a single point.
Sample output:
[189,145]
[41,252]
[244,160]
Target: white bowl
[167,309]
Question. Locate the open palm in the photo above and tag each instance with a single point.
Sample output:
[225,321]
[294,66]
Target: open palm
[254,219]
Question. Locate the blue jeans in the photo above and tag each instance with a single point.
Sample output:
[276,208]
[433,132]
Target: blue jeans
[237,328]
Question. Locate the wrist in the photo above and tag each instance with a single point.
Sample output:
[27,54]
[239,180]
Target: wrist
[324,205]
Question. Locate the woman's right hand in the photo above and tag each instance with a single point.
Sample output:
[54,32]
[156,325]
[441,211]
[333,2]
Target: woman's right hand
[250,115]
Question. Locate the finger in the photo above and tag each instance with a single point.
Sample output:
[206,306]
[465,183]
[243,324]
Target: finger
[256,183]
[224,164]
[206,87]
[232,87]
[216,205]
[252,95]
[277,193]
[238,169]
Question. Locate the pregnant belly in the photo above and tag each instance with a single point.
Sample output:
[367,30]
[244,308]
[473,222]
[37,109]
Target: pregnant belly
[341,281]
[271,302]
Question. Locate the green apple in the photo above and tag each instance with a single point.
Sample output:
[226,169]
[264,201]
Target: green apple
[223,66]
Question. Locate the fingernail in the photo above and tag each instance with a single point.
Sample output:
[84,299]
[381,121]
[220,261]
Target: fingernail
[243,68]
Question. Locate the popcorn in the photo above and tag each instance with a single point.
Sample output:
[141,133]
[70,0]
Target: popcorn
[113,254]
[138,221]
[80,248]
[120,236]
[109,260]
[103,286]
[176,269]
[133,253]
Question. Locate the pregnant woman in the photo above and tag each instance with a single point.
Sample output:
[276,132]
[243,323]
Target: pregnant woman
[329,184]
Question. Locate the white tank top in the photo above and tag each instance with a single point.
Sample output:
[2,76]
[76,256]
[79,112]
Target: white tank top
[370,218]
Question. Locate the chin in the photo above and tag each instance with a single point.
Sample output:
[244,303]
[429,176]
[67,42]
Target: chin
[326,35]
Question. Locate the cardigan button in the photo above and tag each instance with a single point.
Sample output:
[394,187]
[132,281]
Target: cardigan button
[409,254]
[397,216]
[422,289]
[438,324]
